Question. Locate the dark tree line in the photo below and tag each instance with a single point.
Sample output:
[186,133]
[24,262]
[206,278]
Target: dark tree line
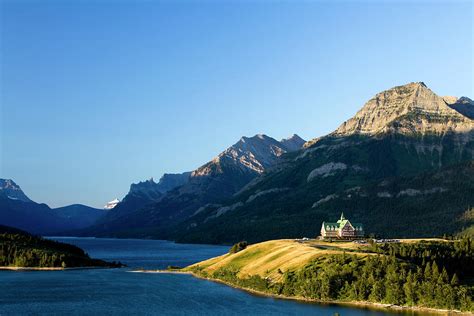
[376,278]
[20,249]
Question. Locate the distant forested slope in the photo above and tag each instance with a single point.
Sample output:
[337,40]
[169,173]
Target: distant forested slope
[21,249]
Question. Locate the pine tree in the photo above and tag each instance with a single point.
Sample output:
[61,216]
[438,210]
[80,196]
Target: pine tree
[409,289]
[455,280]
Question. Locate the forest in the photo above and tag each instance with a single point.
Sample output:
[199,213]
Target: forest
[21,249]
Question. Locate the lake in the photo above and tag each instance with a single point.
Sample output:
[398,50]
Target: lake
[121,292]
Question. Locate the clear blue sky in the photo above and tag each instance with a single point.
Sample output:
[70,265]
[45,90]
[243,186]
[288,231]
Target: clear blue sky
[99,94]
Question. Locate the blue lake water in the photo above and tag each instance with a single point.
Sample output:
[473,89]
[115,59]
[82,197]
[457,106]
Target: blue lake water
[121,292]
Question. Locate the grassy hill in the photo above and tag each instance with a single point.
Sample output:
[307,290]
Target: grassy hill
[268,259]
[430,273]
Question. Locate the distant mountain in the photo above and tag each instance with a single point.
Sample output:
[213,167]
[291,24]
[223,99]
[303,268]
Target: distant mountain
[463,105]
[78,216]
[31,216]
[17,210]
[144,193]
[293,143]
[216,180]
[139,195]
[112,204]
[12,191]
[402,166]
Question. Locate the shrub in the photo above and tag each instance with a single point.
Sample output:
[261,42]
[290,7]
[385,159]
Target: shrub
[241,245]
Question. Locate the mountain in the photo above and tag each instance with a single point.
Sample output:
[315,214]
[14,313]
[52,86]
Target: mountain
[19,211]
[293,143]
[463,105]
[31,216]
[144,193]
[408,110]
[78,216]
[214,181]
[139,195]
[12,191]
[402,166]
[112,204]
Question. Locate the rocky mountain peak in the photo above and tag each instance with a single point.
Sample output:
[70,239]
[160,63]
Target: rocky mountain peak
[465,100]
[463,105]
[251,154]
[407,109]
[12,190]
[293,143]
[112,204]
[143,185]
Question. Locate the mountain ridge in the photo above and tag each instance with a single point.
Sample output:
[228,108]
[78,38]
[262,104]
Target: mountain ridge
[18,210]
[215,180]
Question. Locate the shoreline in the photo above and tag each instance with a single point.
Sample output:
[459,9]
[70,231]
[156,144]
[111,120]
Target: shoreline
[355,304]
[48,268]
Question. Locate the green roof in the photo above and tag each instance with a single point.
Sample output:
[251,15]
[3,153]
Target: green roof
[341,223]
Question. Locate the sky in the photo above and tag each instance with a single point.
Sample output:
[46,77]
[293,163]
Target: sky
[95,95]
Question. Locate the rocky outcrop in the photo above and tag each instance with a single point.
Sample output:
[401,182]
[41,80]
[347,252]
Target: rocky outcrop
[326,170]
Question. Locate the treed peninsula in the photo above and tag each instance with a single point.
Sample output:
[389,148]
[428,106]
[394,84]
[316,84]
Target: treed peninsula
[21,250]
[428,274]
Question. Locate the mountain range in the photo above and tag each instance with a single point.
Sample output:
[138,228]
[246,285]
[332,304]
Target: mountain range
[19,211]
[402,165]
[214,181]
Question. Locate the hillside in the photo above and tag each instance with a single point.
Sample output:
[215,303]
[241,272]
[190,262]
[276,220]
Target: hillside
[21,249]
[268,259]
[402,166]
[413,273]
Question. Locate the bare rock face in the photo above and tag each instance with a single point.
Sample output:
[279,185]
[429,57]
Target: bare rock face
[409,109]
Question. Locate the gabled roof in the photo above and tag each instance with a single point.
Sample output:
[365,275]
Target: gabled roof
[330,224]
[341,223]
